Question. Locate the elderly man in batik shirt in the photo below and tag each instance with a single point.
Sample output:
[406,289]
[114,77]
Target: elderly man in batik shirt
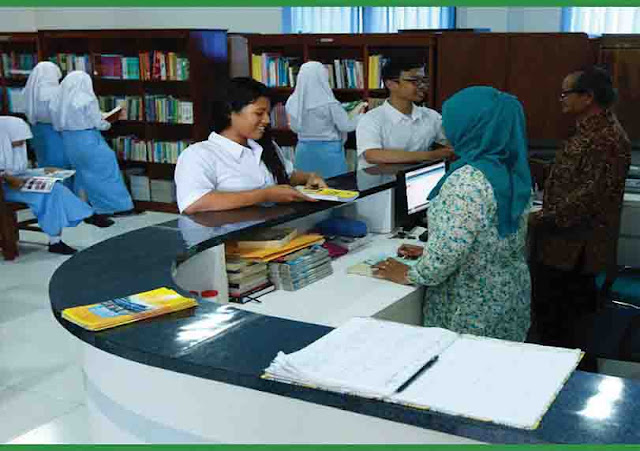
[577,228]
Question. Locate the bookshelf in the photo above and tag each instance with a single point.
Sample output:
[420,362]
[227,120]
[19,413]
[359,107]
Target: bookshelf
[167,81]
[273,59]
[18,55]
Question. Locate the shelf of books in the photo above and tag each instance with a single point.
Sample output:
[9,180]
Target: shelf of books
[18,56]
[353,63]
[164,80]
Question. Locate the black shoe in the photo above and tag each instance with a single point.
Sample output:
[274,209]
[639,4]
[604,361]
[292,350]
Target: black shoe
[131,212]
[61,248]
[99,221]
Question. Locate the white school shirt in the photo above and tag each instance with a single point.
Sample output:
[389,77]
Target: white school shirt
[219,164]
[325,123]
[387,128]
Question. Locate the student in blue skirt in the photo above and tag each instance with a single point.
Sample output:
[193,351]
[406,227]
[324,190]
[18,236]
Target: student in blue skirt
[55,210]
[42,85]
[76,114]
[320,122]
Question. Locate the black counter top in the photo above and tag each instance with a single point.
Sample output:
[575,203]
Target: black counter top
[222,343]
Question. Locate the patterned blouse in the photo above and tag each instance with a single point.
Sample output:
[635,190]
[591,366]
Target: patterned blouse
[478,283]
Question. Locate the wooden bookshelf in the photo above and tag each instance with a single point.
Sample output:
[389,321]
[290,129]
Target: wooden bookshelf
[15,44]
[326,48]
[206,53]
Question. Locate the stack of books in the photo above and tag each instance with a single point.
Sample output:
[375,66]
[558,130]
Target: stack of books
[246,278]
[167,109]
[277,256]
[299,269]
[275,70]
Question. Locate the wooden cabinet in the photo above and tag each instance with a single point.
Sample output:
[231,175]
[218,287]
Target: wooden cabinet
[621,55]
[529,65]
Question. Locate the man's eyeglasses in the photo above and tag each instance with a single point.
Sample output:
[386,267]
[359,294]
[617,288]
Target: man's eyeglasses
[418,81]
[564,94]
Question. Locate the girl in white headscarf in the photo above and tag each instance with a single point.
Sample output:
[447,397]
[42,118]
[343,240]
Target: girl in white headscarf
[55,210]
[320,121]
[42,85]
[76,113]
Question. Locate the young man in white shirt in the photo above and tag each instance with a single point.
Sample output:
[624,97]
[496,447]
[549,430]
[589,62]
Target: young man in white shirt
[399,131]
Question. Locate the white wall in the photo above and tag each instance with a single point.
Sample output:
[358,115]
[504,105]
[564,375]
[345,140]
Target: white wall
[250,20]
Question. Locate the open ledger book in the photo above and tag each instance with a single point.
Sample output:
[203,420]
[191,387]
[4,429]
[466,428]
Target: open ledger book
[486,379]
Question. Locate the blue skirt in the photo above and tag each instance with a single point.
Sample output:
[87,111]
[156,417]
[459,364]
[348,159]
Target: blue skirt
[97,170]
[55,210]
[325,158]
[48,146]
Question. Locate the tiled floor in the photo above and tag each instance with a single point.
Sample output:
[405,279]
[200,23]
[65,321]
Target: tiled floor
[41,380]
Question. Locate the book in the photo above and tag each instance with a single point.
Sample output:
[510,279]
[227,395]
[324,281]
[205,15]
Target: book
[53,173]
[112,113]
[267,238]
[330,194]
[365,267]
[482,378]
[38,184]
[128,309]
[269,254]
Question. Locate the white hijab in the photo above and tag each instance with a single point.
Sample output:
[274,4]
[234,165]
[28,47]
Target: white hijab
[312,90]
[76,92]
[12,129]
[42,86]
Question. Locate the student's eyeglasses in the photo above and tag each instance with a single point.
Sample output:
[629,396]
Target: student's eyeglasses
[418,81]
[564,94]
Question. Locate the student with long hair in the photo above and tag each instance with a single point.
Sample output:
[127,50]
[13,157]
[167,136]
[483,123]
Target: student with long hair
[239,164]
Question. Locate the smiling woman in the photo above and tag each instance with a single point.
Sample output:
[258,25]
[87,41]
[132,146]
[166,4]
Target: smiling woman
[239,165]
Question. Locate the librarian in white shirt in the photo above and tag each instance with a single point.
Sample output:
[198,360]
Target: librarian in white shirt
[399,131]
[239,165]
[43,85]
[320,122]
[76,113]
[54,210]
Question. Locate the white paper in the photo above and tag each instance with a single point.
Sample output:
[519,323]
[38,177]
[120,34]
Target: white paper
[495,380]
[365,356]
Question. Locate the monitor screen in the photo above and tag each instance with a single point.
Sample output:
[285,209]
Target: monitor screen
[419,184]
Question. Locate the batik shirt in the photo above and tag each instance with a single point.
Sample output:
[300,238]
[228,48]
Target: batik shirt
[583,196]
[477,282]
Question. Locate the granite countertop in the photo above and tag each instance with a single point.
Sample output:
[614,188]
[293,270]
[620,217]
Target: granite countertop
[222,343]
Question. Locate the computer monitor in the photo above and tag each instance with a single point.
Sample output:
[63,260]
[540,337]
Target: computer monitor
[412,192]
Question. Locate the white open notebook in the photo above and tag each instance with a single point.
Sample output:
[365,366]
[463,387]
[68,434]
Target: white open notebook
[482,378]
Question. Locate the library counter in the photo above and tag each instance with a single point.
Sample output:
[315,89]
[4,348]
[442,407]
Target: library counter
[194,376]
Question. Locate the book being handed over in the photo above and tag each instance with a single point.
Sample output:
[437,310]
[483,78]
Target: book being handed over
[128,309]
[432,368]
[331,194]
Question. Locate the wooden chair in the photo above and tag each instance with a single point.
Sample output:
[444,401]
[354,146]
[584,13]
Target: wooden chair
[10,227]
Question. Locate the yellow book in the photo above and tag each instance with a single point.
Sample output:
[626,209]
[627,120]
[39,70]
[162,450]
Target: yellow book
[256,67]
[374,72]
[135,307]
[335,195]
[265,255]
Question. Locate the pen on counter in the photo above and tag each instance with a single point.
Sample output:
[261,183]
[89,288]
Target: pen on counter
[424,367]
